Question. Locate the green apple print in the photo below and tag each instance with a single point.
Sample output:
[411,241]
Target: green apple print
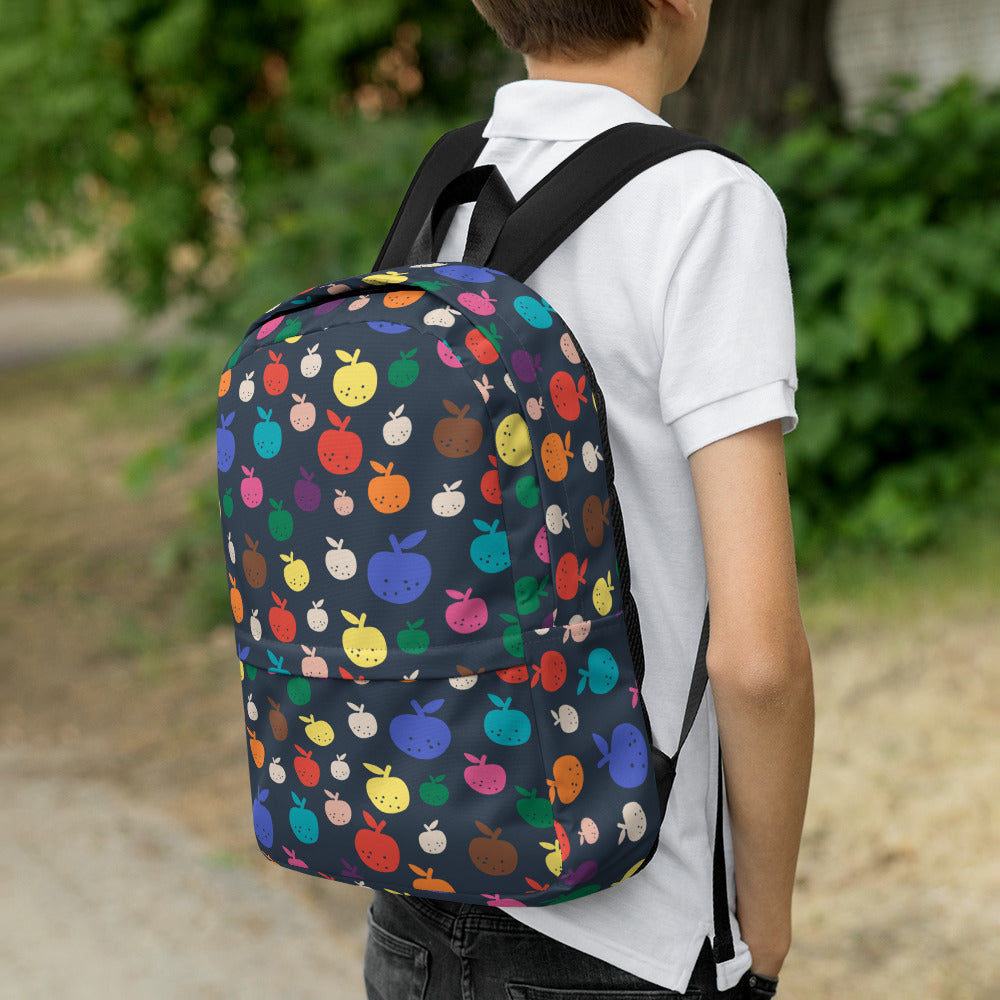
[527,593]
[527,492]
[534,811]
[413,639]
[404,370]
[433,791]
[513,638]
[279,521]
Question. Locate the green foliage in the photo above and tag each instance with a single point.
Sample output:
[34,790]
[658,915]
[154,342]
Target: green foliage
[187,133]
[894,237]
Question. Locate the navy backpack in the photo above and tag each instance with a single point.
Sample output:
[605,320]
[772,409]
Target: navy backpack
[441,657]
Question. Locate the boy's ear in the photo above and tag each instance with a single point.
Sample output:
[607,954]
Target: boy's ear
[682,8]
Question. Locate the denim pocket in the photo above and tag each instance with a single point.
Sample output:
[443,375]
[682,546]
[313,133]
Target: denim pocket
[394,968]
[522,991]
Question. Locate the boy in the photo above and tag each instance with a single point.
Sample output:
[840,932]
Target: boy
[690,332]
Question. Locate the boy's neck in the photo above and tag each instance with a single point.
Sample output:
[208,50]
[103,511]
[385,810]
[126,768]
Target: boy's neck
[630,70]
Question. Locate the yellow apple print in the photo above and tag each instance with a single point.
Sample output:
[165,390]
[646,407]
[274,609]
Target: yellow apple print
[513,440]
[388,794]
[296,572]
[602,595]
[364,645]
[354,383]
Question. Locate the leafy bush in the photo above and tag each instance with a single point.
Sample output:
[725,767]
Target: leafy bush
[894,239]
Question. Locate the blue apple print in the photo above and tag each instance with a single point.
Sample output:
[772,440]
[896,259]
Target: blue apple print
[266,435]
[466,273]
[537,312]
[399,576]
[490,551]
[509,727]
[263,826]
[225,442]
[384,326]
[601,671]
[627,757]
[419,735]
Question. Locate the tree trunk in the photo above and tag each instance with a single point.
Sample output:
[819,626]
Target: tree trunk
[766,62]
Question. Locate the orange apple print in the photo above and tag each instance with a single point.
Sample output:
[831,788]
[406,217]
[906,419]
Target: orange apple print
[389,491]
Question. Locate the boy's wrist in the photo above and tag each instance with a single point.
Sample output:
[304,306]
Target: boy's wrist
[761,987]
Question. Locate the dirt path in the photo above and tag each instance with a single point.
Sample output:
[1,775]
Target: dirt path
[107,896]
[127,857]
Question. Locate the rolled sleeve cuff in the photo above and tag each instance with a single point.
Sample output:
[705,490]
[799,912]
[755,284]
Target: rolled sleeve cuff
[718,420]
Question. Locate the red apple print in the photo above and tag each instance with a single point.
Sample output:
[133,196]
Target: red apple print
[275,376]
[490,485]
[281,620]
[514,675]
[569,576]
[482,344]
[376,849]
[339,449]
[306,768]
[567,395]
[551,671]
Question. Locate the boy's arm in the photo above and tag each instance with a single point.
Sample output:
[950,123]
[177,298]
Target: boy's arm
[759,665]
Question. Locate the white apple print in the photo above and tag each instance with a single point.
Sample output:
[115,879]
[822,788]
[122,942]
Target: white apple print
[432,840]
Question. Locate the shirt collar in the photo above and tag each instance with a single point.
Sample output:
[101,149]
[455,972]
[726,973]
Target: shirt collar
[557,110]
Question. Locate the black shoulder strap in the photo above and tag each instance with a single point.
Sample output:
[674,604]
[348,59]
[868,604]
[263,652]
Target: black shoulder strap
[453,154]
[554,208]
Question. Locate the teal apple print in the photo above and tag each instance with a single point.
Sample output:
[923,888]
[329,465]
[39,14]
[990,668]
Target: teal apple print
[490,551]
[266,434]
[509,727]
[601,671]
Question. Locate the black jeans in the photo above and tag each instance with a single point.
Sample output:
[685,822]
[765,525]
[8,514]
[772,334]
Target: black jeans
[420,949]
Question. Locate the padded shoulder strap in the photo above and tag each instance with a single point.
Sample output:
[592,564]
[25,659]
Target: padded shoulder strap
[453,154]
[580,185]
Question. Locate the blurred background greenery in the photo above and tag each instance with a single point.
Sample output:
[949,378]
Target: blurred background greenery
[222,154]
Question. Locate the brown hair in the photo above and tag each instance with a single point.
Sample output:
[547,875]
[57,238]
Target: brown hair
[566,27]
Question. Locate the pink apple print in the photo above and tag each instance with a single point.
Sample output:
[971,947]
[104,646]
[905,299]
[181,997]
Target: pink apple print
[542,545]
[293,861]
[479,303]
[269,327]
[526,367]
[488,779]
[447,355]
[467,614]
[495,899]
[251,489]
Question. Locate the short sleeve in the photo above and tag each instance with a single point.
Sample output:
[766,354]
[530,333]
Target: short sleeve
[729,331]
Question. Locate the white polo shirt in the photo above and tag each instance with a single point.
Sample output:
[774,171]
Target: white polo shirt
[677,289]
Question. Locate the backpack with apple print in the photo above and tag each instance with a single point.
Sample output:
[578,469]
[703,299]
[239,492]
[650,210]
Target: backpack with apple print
[441,657]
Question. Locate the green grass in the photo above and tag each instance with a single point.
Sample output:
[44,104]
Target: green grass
[854,591]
